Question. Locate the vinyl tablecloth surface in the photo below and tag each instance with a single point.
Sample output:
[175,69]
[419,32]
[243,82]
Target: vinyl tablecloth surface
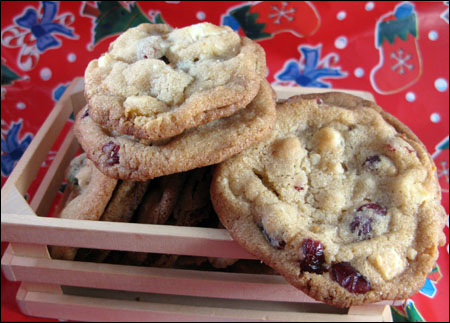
[399,51]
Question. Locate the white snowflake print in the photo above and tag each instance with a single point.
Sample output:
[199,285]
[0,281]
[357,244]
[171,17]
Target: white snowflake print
[443,171]
[444,15]
[282,12]
[401,59]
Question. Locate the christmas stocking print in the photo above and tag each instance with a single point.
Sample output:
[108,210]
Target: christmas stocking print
[400,63]
[265,19]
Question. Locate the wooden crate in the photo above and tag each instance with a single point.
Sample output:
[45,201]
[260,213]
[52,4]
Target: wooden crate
[92,292]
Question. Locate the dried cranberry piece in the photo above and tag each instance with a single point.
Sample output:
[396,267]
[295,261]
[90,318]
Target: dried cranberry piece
[312,258]
[298,187]
[164,59]
[85,114]
[380,210]
[276,243]
[112,150]
[372,162]
[319,101]
[363,226]
[391,148]
[348,277]
[362,222]
[409,149]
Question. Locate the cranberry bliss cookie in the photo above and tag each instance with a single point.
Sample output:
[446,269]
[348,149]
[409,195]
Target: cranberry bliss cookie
[126,157]
[342,199]
[155,82]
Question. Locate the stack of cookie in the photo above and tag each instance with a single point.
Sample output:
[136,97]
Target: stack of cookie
[163,100]
[338,196]
[181,199]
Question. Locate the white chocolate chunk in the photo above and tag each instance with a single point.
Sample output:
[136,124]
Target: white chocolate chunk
[288,150]
[143,106]
[411,254]
[328,140]
[388,263]
[104,60]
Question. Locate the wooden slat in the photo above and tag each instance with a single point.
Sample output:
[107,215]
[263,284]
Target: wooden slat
[373,310]
[153,280]
[7,268]
[29,250]
[77,95]
[52,180]
[42,287]
[171,309]
[14,201]
[122,236]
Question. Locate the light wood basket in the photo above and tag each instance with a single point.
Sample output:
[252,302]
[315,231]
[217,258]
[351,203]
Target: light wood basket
[104,292]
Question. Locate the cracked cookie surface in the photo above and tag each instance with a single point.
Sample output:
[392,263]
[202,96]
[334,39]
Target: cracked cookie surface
[155,82]
[342,199]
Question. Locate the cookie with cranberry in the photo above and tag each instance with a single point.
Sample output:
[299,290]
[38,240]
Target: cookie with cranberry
[126,157]
[156,82]
[342,199]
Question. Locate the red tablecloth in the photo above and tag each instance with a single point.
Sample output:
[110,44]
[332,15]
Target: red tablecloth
[399,51]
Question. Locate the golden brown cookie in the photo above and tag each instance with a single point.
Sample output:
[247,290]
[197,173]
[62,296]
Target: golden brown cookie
[93,192]
[125,157]
[123,204]
[342,199]
[155,82]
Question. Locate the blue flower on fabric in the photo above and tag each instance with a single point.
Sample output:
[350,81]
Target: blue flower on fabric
[428,289]
[13,148]
[309,73]
[59,91]
[42,30]
[231,22]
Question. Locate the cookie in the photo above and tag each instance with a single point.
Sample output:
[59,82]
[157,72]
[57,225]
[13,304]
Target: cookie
[125,157]
[72,171]
[221,263]
[160,199]
[125,201]
[121,207]
[247,266]
[193,207]
[73,188]
[155,82]
[156,208]
[342,199]
[94,191]
[180,199]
